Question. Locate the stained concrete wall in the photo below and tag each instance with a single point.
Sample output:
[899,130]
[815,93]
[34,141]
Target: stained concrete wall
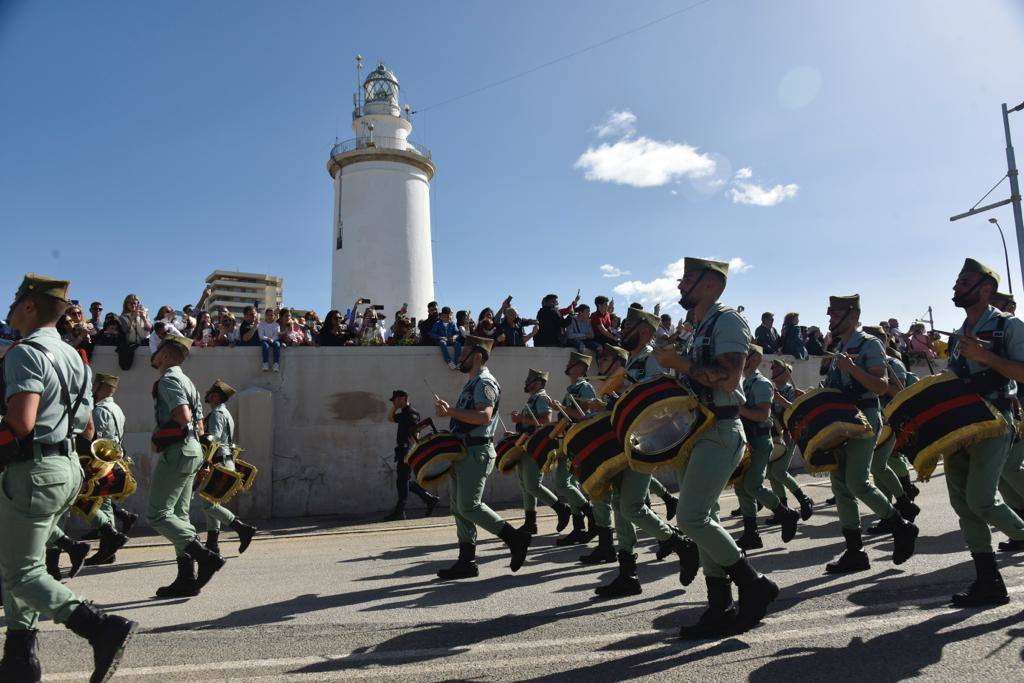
[318,430]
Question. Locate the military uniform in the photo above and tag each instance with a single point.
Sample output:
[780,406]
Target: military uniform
[538,406]
[778,470]
[220,427]
[972,478]
[469,475]
[40,481]
[851,481]
[577,395]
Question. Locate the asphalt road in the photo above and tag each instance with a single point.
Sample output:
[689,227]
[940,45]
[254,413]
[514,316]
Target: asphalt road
[361,602]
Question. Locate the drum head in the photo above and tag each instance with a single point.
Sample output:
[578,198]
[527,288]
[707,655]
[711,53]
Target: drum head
[434,472]
[662,429]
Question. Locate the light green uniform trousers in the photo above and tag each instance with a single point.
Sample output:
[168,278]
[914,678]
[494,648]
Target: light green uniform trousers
[567,486]
[469,476]
[35,494]
[171,493]
[217,515]
[702,478]
[1011,483]
[851,482]
[104,515]
[629,493]
[751,489]
[898,464]
[971,479]
[885,478]
[533,490]
[603,512]
[657,488]
[779,476]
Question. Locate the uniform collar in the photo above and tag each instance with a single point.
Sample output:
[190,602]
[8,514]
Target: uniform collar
[45,333]
[173,370]
[104,401]
[986,316]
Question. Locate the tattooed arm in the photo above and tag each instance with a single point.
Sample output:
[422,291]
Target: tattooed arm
[724,374]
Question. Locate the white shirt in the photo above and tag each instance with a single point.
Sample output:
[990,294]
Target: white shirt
[155,340]
[270,331]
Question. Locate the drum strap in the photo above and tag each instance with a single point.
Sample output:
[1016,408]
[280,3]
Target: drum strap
[70,408]
[989,380]
[704,337]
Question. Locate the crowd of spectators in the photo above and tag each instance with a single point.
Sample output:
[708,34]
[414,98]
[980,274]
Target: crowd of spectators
[576,325]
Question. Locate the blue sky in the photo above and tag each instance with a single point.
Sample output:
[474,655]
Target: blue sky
[146,144]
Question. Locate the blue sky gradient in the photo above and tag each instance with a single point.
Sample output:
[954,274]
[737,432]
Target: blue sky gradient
[147,144]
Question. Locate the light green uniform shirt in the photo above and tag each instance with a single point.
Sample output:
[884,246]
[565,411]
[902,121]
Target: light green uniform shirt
[108,418]
[221,426]
[581,391]
[28,370]
[175,389]
[721,331]
[870,355]
[642,366]
[482,390]
[758,389]
[1013,345]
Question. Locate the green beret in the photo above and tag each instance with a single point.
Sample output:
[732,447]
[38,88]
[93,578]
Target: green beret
[41,284]
[637,315]
[622,353]
[224,388]
[782,365]
[874,331]
[973,266]
[850,302]
[754,348]
[482,343]
[696,265]
[1003,296]
[542,375]
[577,357]
[109,380]
[183,343]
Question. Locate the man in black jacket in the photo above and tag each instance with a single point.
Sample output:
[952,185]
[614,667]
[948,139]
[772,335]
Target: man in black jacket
[406,417]
[766,336]
[553,321]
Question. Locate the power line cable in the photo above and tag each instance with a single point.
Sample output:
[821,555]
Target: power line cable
[565,57]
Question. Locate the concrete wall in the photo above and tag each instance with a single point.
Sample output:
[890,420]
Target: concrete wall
[318,430]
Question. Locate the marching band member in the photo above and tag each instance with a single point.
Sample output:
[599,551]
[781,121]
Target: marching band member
[972,477]
[1011,482]
[713,365]
[756,417]
[220,426]
[179,420]
[579,394]
[536,413]
[48,404]
[474,417]
[859,370]
[630,488]
[778,471]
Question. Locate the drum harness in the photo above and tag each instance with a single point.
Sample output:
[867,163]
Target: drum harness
[989,380]
[705,333]
[461,429]
[855,391]
[749,426]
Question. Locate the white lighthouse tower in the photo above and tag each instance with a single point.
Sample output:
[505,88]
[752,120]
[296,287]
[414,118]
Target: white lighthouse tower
[381,239]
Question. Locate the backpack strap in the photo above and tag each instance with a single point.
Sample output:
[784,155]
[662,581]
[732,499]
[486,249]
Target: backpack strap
[70,408]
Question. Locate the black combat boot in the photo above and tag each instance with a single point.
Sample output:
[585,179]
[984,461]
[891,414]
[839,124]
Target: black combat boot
[90,535]
[626,583]
[529,525]
[830,501]
[588,513]
[605,550]
[53,564]
[245,532]
[578,533]
[1011,545]
[126,518]
[213,540]
[687,553]
[564,513]
[77,552]
[904,538]
[751,539]
[719,620]
[21,657]
[431,501]
[184,584]
[465,567]
[207,563]
[854,559]
[518,541]
[671,503]
[907,509]
[909,488]
[775,519]
[111,540]
[756,591]
[108,634]
[806,505]
[396,514]
[988,588]
[788,519]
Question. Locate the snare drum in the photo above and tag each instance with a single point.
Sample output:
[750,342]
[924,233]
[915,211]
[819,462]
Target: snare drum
[658,421]
[220,485]
[112,480]
[508,453]
[432,457]
[541,442]
[596,454]
[821,422]
[938,417]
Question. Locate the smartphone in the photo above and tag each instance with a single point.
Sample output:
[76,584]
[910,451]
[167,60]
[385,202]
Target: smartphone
[74,302]
[378,307]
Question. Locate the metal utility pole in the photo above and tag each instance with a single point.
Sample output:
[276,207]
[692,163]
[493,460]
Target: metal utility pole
[1012,174]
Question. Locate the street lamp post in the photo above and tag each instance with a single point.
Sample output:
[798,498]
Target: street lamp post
[1006,254]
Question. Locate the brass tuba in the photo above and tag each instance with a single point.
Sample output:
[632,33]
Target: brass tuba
[106,450]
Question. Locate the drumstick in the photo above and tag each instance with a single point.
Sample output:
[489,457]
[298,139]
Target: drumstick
[576,403]
[530,411]
[984,342]
[502,423]
[436,397]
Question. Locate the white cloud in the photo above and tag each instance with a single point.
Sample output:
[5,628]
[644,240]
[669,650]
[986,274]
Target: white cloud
[622,123]
[665,290]
[758,195]
[744,173]
[643,162]
[608,270]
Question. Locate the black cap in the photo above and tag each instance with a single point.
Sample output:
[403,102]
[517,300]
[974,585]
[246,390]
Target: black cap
[398,393]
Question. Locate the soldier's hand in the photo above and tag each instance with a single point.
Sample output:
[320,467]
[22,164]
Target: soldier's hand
[971,349]
[844,363]
[443,409]
[667,357]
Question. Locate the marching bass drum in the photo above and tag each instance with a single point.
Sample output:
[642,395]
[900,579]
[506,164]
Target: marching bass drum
[821,421]
[938,417]
[779,448]
[431,458]
[541,442]
[596,454]
[220,485]
[658,421]
[508,453]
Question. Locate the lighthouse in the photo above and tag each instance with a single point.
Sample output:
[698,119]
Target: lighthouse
[381,238]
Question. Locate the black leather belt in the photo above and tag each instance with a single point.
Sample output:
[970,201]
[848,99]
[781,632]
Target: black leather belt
[48,449]
[1002,404]
[725,412]
[477,440]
